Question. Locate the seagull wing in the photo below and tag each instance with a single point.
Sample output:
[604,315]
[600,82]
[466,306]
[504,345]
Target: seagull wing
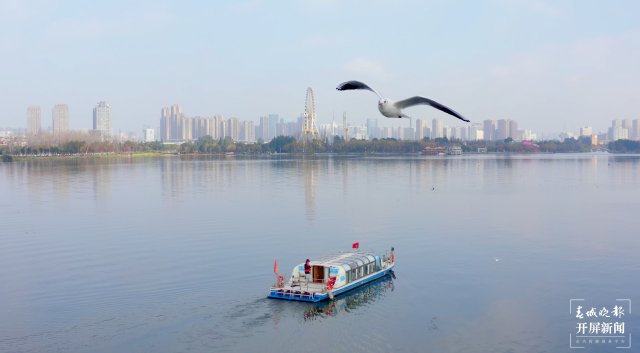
[349,85]
[422,100]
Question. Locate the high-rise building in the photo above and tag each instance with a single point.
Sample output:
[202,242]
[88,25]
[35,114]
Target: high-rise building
[372,128]
[60,117]
[345,127]
[282,128]
[437,128]
[220,125]
[513,130]
[102,119]
[176,122]
[407,133]
[635,129]
[148,135]
[233,128]
[446,132]
[247,131]
[410,132]
[421,129]
[172,124]
[489,130]
[212,128]
[273,121]
[185,128]
[616,123]
[476,132]
[165,124]
[386,132]
[264,129]
[200,127]
[456,132]
[34,120]
[617,131]
[586,131]
[502,131]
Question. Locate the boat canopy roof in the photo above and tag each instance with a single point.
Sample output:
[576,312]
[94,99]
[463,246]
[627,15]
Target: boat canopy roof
[348,260]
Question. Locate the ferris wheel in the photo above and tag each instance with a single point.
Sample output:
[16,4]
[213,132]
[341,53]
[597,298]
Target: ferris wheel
[309,127]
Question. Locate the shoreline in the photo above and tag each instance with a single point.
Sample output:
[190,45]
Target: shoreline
[153,154]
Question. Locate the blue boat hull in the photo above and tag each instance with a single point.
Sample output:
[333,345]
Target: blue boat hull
[318,297]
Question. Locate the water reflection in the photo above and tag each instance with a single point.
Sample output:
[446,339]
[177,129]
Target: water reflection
[349,302]
[310,174]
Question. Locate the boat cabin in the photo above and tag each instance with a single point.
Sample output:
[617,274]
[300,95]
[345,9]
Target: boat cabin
[342,269]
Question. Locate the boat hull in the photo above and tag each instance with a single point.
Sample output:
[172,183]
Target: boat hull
[277,293]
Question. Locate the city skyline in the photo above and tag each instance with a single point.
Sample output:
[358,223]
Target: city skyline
[387,123]
[277,124]
[546,65]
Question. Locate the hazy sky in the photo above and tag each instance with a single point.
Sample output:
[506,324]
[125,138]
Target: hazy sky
[546,64]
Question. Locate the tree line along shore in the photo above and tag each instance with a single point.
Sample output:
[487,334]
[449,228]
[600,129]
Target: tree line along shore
[285,144]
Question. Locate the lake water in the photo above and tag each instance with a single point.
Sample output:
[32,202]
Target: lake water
[176,255]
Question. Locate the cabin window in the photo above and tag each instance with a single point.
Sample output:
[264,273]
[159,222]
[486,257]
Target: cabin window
[353,275]
[361,271]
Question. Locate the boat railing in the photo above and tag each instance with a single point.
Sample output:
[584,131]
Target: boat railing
[314,284]
[292,294]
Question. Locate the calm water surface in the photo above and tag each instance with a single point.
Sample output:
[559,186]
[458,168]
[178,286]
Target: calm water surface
[176,255]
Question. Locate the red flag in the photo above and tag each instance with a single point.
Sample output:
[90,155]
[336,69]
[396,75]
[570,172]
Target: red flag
[355,245]
[275,266]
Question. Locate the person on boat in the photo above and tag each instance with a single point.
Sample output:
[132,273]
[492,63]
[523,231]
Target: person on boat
[307,270]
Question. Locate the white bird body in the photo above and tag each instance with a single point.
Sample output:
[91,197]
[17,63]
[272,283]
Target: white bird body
[388,109]
[392,109]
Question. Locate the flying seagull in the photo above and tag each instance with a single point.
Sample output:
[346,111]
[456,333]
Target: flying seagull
[392,109]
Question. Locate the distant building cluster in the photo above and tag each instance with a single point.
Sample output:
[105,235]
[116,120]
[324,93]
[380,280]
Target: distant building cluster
[503,129]
[60,121]
[175,127]
[621,129]
[624,129]
[490,130]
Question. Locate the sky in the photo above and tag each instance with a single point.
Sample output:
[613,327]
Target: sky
[549,65]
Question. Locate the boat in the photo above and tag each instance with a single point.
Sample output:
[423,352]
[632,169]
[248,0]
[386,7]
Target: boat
[332,275]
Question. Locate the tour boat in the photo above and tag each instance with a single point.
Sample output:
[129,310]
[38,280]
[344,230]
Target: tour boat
[332,275]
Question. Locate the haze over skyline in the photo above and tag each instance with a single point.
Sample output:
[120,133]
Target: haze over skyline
[549,65]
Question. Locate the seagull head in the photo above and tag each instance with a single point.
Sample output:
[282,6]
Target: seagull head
[382,102]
